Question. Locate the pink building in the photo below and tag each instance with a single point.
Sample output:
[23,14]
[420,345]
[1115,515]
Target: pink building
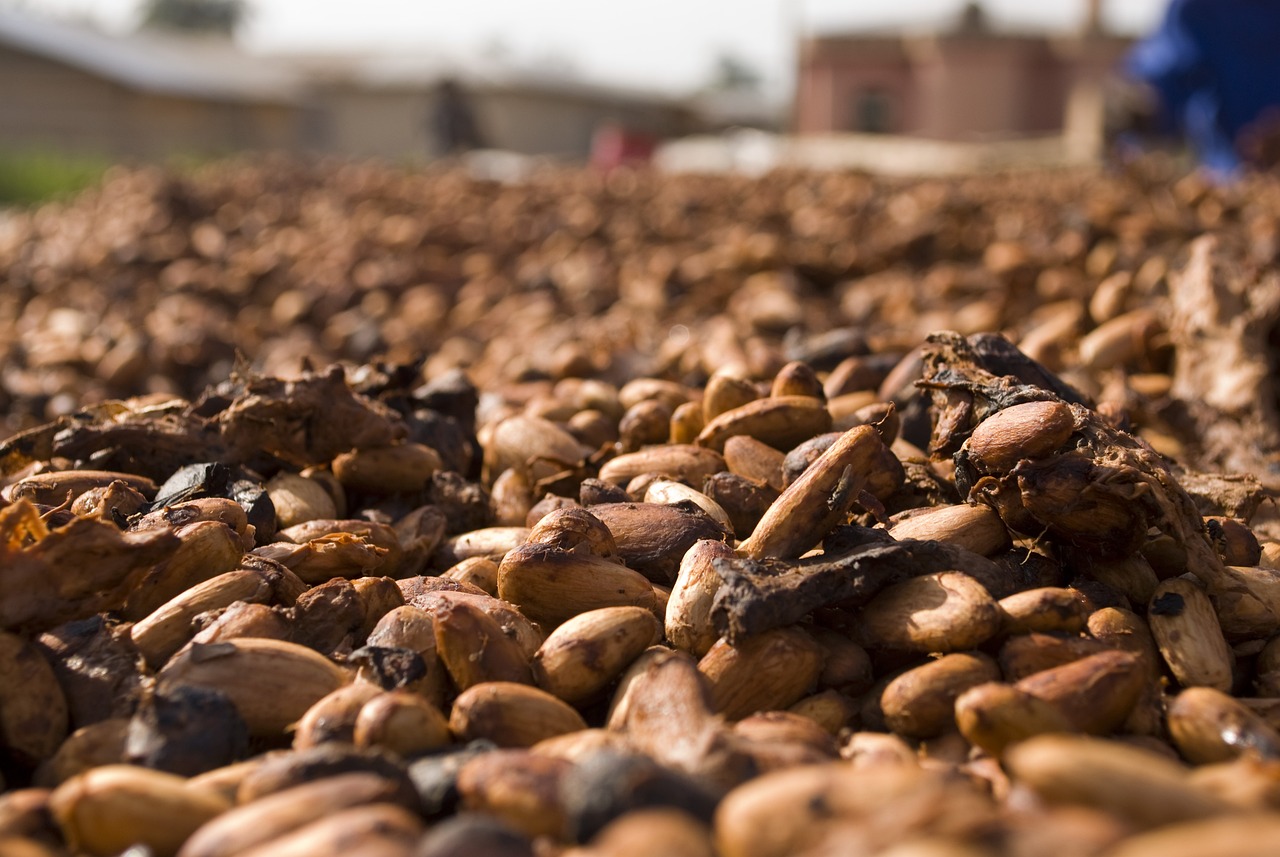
[971,81]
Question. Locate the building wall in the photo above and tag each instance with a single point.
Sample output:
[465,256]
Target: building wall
[45,104]
[950,86]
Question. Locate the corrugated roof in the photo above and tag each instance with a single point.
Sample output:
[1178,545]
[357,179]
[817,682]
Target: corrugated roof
[201,67]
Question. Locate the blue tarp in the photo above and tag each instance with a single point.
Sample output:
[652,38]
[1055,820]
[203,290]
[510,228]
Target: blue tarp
[1215,65]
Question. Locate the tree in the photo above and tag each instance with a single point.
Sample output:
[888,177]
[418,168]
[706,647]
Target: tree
[733,72]
[195,16]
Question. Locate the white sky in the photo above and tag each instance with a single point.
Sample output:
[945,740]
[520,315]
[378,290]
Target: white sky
[669,44]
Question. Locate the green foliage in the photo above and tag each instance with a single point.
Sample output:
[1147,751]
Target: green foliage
[32,177]
[199,16]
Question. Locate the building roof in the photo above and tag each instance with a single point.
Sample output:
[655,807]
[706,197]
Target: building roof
[202,67]
[426,68]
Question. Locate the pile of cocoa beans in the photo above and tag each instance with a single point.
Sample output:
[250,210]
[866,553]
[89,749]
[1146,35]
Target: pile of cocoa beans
[815,514]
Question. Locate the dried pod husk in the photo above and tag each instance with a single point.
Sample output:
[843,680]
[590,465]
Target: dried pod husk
[1144,788]
[672,832]
[207,549]
[186,732]
[479,571]
[1095,694]
[1073,499]
[1190,639]
[1047,608]
[169,627]
[109,809]
[511,715]
[550,585]
[511,498]
[333,716]
[534,445]
[688,622]
[685,462]
[377,830]
[686,423]
[944,612]
[380,535]
[766,672]
[400,469]
[781,422]
[1256,834]
[570,528]
[667,492]
[55,488]
[115,502]
[921,702]
[402,722]
[518,787]
[724,392]
[817,501]
[995,716]
[754,460]
[490,542]
[1209,726]
[275,815]
[582,657]
[652,537]
[326,557]
[271,682]
[100,743]
[473,648]
[974,528]
[1029,430]
[33,708]
[298,499]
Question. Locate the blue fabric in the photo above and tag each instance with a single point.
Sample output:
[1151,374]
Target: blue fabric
[1215,65]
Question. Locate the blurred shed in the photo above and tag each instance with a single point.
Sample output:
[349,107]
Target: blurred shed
[383,105]
[73,89]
